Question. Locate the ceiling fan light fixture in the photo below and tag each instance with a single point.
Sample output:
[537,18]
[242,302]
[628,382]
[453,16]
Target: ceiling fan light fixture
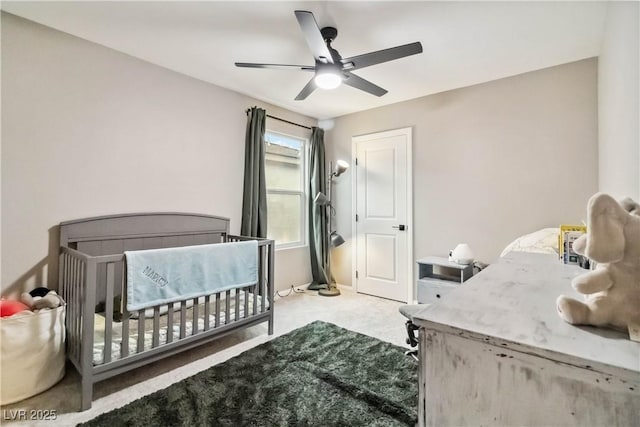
[331,69]
[328,79]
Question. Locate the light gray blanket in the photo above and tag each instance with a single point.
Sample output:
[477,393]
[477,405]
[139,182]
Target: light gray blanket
[161,276]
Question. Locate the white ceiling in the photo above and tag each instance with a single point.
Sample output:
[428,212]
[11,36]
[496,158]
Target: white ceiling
[464,43]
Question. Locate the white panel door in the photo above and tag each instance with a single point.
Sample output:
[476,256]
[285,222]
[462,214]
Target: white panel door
[383,214]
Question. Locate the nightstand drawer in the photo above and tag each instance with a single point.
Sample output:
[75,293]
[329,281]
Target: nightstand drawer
[431,291]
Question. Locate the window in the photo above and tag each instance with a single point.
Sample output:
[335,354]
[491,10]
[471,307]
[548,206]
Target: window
[285,162]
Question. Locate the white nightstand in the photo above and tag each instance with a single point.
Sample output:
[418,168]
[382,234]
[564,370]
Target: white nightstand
[438,276]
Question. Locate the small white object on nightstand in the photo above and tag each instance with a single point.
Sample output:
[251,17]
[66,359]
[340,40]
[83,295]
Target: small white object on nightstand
[462,254]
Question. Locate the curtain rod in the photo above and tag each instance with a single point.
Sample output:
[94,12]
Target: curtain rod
[282,120]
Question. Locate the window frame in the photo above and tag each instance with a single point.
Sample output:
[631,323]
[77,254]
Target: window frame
[304,179]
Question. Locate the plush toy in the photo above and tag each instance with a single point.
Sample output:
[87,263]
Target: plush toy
[630,206]
[40,298]
[10,307]
[612,290]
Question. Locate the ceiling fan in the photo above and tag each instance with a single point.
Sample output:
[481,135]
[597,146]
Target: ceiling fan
[330,69]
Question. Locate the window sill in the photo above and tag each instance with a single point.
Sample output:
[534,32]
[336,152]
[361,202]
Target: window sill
[286,248]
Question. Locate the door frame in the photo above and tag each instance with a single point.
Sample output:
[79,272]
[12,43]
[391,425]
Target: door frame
[408,132]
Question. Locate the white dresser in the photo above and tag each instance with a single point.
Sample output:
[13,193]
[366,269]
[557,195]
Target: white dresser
[495,352]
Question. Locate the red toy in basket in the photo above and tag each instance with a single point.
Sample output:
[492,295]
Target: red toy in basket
[10,307]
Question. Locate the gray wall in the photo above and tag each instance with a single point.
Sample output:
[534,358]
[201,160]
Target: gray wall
[91,131]
[618,101]
[490,162]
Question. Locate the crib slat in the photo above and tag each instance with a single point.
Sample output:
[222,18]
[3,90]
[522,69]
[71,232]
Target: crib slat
[108,315]
[156,327]
[206,313]
[183,319]
[245,292]
[118,284]
[86,338]
[101,276]
[70,306]
[217,309]
[62,286]
[141,322]
[255,299]
[227,308]
[71,302]
[261,268]
[78,301]
[270,287]
[194,327]
[170,323]
[237,303]
[124,345]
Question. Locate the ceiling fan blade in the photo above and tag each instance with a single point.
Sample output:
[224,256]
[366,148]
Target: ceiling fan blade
[362,84]
[306,91]
[275,66]
[380,56]
[313,36]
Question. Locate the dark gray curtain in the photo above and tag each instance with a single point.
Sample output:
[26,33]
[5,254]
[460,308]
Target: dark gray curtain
[254,201]
[318,240]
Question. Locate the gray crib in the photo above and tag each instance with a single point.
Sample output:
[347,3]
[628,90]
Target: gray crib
[103,338]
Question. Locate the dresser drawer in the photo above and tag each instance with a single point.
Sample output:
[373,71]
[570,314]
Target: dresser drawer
[431,291]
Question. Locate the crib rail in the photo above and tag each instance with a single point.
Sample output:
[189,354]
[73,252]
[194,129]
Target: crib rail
[266,256]
[78,277]
[186,322]
[72,274]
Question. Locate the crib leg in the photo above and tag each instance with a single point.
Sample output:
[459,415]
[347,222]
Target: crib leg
[271,317]
[87,393]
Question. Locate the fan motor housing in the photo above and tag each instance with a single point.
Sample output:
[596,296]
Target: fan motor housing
[329,34]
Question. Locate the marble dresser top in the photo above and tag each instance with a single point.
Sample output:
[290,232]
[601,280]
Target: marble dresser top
[513,302]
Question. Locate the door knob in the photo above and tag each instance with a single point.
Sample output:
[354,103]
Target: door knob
[400,227]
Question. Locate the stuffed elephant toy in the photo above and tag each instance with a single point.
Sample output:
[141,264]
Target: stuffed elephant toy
[612,290]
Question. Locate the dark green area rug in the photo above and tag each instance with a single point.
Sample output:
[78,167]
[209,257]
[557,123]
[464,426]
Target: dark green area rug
[318,375]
